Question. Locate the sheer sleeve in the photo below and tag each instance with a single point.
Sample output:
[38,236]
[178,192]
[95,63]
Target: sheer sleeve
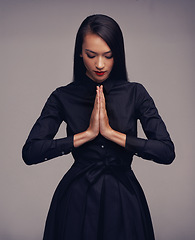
[158,145]
[40,145]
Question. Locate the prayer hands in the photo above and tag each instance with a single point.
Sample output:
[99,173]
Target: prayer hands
[99,122]
[105,128]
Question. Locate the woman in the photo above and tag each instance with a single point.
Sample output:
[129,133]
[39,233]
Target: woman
[99,197]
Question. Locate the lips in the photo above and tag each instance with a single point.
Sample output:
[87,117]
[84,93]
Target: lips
[99,73]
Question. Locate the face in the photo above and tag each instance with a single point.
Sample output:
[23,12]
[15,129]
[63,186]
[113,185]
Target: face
[97,58]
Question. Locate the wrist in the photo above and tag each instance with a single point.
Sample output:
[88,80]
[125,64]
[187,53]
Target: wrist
[108,133]
[90,135]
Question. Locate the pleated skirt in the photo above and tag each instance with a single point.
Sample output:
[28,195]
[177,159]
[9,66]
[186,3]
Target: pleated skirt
[111,207]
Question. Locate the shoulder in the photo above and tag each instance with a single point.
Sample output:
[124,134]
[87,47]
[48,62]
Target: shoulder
[136,93]
[68,89]
[60,93]
[127,84]
[132,87]
[136,86]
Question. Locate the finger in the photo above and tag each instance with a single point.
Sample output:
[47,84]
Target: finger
[97,96]
[102,99]
[100,92]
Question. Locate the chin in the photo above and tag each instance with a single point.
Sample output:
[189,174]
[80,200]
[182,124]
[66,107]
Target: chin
[100,80]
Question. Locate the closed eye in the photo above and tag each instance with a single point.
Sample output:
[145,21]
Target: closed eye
[109,57]
[90,56]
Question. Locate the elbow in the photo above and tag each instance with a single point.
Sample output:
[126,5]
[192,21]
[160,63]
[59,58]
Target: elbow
[27,156]
[168,156]
[27,159]
[166,160]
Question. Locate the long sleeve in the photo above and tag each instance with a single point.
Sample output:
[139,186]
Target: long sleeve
[158,145]
[41,145]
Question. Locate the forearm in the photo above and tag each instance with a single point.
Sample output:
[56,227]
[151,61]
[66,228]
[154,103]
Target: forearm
[160,151]
[37,151]
[115,136]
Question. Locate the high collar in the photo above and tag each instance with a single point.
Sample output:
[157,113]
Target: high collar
[91,85]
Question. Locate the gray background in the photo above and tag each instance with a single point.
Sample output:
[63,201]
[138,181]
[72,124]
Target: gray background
[36,51]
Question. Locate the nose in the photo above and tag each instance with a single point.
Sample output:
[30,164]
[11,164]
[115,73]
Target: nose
[100,63]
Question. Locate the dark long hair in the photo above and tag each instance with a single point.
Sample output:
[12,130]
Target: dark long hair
[109,30]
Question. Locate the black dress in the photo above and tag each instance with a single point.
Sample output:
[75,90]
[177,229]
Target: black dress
[99,198]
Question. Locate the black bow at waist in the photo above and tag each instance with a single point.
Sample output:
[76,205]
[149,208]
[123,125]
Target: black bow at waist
[96,167]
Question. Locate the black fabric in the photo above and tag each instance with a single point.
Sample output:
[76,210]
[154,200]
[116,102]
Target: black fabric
[99,198]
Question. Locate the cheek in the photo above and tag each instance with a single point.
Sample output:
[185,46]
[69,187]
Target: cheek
[111,65]
[87,63]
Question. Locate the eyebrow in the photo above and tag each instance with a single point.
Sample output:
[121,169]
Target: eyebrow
[96,53]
